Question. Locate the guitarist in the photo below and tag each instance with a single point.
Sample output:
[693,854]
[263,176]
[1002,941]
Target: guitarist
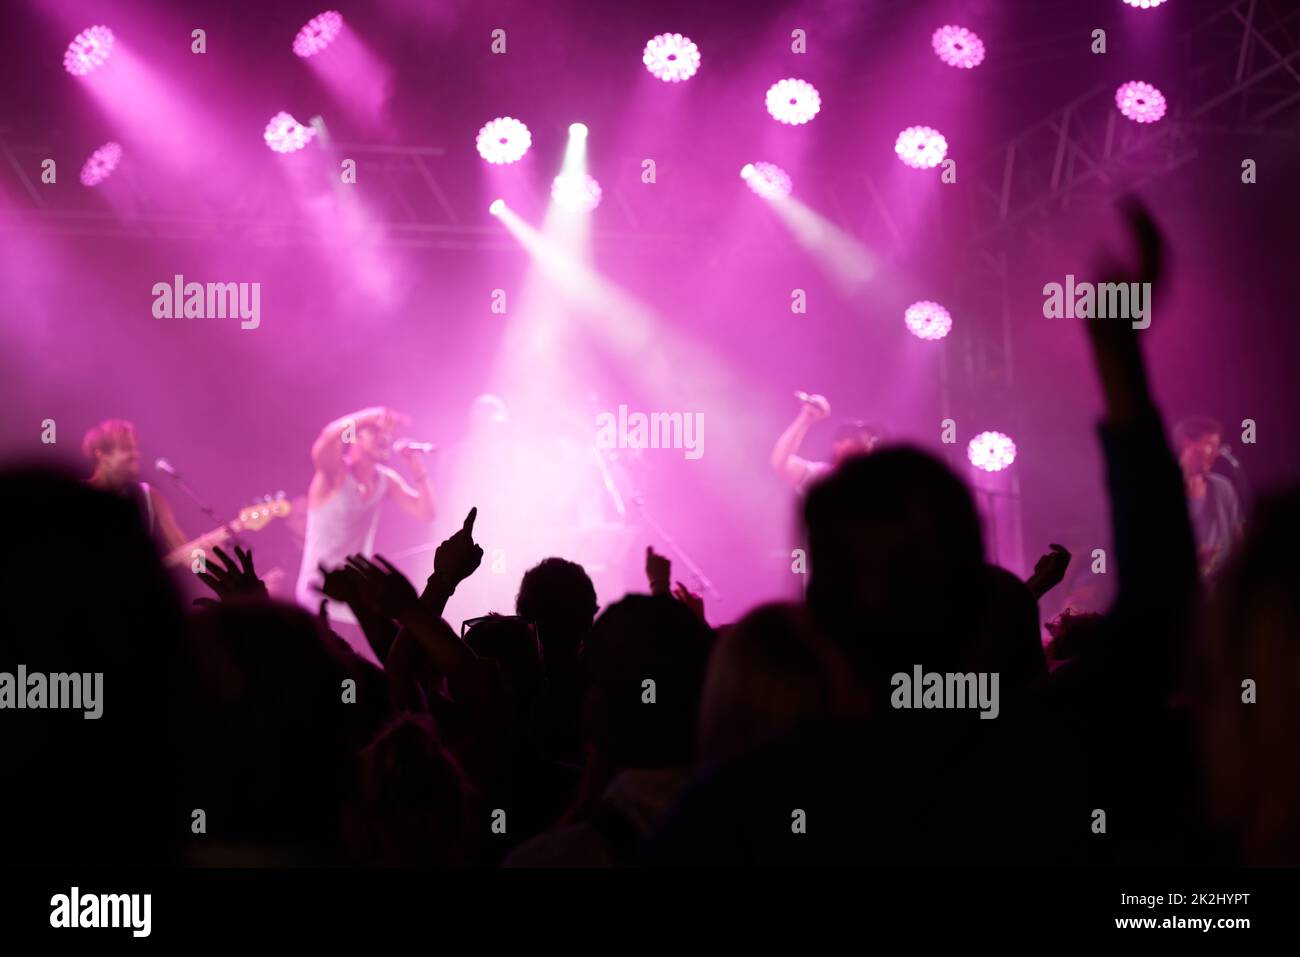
[112,449]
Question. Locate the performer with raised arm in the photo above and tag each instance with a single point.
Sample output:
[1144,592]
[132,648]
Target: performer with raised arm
[851,438]
[112,449]
[350,483]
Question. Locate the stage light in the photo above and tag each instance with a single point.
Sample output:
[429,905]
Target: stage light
[318,33]
[767,179]
[578,130]
[957,46]
[671,57]
[1140,102]
[991,451]
[793,101]
[576,191]
[88,50]
[921,147]
[498,207]
[503,140]
[101,164]
[284,134]
[1144,4]
[927,320]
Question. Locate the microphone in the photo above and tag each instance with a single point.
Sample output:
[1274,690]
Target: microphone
[162,465]
[403,444]
[1225,453]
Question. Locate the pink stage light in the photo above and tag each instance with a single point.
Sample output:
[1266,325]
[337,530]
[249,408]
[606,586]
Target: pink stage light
[101,164]
[767,179]
[1140,102]
[318,33]
[88,50]
[503,140]
[671,57]
[793,101]
[927,320]
[1144,4]
[991,451]
[284,134]
[957,46]
[575,191]
[921,147]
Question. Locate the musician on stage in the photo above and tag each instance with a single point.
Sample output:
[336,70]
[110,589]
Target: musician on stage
[1212,501]
[851,438]
[350,483]
[112,449]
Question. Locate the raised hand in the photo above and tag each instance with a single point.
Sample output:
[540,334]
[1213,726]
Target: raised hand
[658,571]
[458,557]
[385,589]
[816,406]
[230,580]
[1049,571]
[691,600]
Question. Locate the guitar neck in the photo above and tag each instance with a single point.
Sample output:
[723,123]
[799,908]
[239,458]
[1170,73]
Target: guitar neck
[218,536]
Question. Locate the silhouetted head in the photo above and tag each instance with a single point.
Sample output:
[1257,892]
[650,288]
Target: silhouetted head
[559,598]
[896,557]
[512,645]
[645,648]
[1249,688]
[767,671]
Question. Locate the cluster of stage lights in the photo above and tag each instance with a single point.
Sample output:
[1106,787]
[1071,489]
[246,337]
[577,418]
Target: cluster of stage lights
[671,57]
[503,140]
[767,180]
[101,164]
[88,50]
[1144,4]
[921,147]
[991,451]
[318,33]
[284,134]
[958,47]
[793,101]
[1140,102]
[927,320]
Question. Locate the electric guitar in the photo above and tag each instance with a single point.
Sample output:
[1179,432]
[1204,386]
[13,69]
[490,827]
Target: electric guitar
[251,519]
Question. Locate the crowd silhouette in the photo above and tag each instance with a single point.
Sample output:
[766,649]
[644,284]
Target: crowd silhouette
[244,732]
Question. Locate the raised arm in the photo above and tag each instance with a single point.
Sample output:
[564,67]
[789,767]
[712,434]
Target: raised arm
[327,450]
[785,460]
[417,499]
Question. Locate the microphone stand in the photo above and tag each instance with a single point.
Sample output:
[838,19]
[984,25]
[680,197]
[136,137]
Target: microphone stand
[207,510]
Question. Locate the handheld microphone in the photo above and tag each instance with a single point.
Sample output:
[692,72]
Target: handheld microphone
[162,465]
[404,444]
[1225,453]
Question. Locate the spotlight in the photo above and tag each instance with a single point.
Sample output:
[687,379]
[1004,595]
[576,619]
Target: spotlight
[1144,4]
[927,320]
[578,130]
[575,191]
[767,179]
[284,134]
[793,101]
[101,164]
[957,46]
[921,147]
[991,451]
[503,140]
[318,33]
[498,207]
[671,57]
[1140,102]
[88,50]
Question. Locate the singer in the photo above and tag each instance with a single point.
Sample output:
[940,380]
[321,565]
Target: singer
[1212,501]
[112,449]
[851,438]
[350,482]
